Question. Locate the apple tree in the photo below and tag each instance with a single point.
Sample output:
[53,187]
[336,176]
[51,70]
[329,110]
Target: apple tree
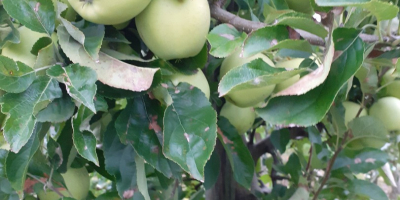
[197,99]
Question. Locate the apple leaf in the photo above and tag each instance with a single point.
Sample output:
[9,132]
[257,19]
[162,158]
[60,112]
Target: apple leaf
[120,162]
[17,163]
[84,140]
[141,177]
[91,36]
[121,51]
[37,15]
[238,154]
[303,6]
[3,157]
[190,129]
[114,93]
[191,64]
[367,126]
[19,109]
[15,77]
[65,139]
[79,81]
[299,45]
[301,21]
[311,107]
[382,10]
[7,34]
[140,124]
[361,161]
[366,189]
[6,191]
[59,110]
[109,70]
[255,74]
[264,39]
[224,40]
[46,53]
[211,171]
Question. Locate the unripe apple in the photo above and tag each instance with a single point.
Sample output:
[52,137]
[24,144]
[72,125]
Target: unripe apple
[77,181]
[174,29]
[351,110]
[288,64]
[393,88]
[108,12]
[198,80]
[249,97]
[22,51]
[387,110]
[241,118]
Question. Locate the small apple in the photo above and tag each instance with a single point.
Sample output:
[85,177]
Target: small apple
[22,51]
[108,12]
[361,143]
[393,87]
[249,97]
[288,64]
[174,29]
[351,110]
[198,80]
[387,109]
[241,118]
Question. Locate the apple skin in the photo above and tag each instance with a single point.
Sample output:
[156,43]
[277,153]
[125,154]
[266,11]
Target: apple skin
[351,110]
[241,118]
[393,89]
[387,109]
[198,80]
[121,25]
[174,29]
[22,51]
[249,97]
[77,181]
[108,12]
[288,64]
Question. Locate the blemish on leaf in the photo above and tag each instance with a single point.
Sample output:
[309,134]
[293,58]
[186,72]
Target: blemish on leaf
[228,36]
[204,148]
[128,194]
[11,73]
[151,95]
[177,91]
[191,87]
[208,128]
[36,7]
[164,85]
[357,160]
[224,138]
[155,149]
[153,125]
[370,160]
[187,137]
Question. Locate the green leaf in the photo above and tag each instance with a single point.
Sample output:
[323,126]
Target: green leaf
[55,154]
[57,111]
[367,126]
[264,39]
[211,171]
[189,129]
[256,74]
[224,40]
[80,82]
[310,108]
[382,10]
[91,38]
[19,109]
[303,6]
[109,70]
[3,156]
[6,191]
[114,93]
[84,140]
[238,154]
[17,163]
[140,124]
[141,177]
[299,45]
[367,189]
[66,144]
[361,161]
[190,65]
[280,139]
[47,54]
[7,34]
[120,162]
[37,15]
[15,77]
[301,21]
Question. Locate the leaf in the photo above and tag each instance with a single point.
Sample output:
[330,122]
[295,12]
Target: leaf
[19,109]
[37,15]
[91,36]
[114,93]
[15,77]
[55,153]
[84,140]
[310,108]
[368,189]
[361,161]
[191,64]
[303,6]
[367,126]
[140,124]
[256,74]
[189,129]
[66,144]
[79,81]
[211,171]
[6,191]
[59,110]
[3,156]
[238,154]
[224,40]
[47,54]
[120,162]
[141,177]
[110,71]
[280,139]
[263,39]
[301,21]
[7,34]
[382,10]
[299,45]
[17,163]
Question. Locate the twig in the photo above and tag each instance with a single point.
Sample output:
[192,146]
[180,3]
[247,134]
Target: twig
[251,137]
[309,161]
[49,186]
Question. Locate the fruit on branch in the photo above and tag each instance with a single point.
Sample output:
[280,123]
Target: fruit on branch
[198,80]
[290,65]
[22,51]
[108,12]
[387,109]
[77,181]
[174,29]
[241,118]
[393,87]
[248,97]
[351,110]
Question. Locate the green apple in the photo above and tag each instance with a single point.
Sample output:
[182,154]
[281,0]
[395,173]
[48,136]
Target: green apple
[108,12]
[249,97]
[22,51]
[174,29]
[289,65]
[361,143]
[241,118]
[77,181]
[351,110]
[121,25]
[198,80]
[387,109]
[393,87]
